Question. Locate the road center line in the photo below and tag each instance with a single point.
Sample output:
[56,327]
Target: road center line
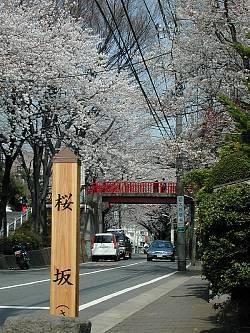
[82,274]
[99,300]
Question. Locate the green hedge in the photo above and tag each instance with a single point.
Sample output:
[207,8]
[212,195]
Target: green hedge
[230,168]
[23,234]
[225,236]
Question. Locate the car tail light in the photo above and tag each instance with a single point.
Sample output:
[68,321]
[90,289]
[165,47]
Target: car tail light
[93,242]
[114,241]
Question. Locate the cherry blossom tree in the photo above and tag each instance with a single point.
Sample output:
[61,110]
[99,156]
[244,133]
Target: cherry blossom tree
[198,57]
[196,61]
[107,19]
[56,91]
[156,219]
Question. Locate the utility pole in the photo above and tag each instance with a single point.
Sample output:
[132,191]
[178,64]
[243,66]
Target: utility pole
[120,217]
[172,230]
[181,246]
[194,227]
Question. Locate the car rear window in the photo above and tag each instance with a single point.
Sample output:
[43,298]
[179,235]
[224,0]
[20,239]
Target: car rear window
[103,239]
[161,245]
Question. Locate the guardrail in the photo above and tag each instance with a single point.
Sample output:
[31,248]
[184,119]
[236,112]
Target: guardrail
[132,187]
[12,226]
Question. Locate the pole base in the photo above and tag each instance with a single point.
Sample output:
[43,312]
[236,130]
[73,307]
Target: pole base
[181,266]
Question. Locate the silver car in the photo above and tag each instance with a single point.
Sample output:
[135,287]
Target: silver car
[160,249]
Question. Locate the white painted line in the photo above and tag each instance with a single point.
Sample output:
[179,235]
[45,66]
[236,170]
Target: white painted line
[17,270]
[24,284]
[82,274]
[112,268]
[97,301]
[106,320]
[118,293]
[24,307]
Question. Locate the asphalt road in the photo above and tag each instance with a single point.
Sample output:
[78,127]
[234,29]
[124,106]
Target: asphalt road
[103,286]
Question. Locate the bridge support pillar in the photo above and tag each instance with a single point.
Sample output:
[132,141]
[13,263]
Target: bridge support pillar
[100,215]
[87,230]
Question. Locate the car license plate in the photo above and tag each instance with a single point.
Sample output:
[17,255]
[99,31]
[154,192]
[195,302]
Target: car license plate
[159,255]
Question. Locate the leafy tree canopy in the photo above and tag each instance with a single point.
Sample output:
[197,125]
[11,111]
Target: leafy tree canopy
[196,178]
[225,231]
[233,167]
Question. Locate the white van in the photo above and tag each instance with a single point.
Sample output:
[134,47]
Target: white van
[105,246]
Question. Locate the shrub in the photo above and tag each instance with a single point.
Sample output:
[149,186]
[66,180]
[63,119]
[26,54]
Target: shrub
[230,168]
[225,232]
[196,178]
[23,234]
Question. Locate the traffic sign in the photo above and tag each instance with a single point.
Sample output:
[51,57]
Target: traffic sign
[180,214]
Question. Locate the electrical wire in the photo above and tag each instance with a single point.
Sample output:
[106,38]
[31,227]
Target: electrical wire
[158,36]
[164,17]
[168,31]
[152,111]
[145,64]
[83,74]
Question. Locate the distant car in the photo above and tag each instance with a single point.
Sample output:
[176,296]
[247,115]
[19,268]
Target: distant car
[125,245]
[160,249]
[105,246]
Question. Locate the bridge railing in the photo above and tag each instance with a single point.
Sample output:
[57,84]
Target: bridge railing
[17,222]
[132,187]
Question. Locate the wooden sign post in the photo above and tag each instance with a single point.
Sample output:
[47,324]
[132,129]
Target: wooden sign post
[64,279]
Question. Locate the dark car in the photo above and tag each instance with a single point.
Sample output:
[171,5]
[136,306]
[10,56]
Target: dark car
[160,249]
[125,245]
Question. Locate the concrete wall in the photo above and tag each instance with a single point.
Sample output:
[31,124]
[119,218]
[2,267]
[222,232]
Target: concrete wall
[38,258]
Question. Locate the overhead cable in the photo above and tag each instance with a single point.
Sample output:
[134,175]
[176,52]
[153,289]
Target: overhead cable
[145,64]
[152,111]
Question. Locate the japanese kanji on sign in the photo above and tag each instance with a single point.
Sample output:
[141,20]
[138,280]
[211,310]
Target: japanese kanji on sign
[64,281]
[180,213]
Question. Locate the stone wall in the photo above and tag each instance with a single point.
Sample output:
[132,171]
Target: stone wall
[45,324]
[38,258]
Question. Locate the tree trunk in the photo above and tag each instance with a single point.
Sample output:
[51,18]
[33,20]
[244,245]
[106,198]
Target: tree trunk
[4,195]
[36,188]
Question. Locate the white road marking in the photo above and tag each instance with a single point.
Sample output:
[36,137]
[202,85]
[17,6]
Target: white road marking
[106,320]
[99,300]
[17,270]
[24,284]
[82,274]
[24,307]
[120,292]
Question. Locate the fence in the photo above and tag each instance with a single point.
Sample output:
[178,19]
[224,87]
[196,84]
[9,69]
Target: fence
[132,187]
[12,226]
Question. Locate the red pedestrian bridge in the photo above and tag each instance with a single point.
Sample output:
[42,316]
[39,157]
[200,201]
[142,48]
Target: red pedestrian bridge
[101,195]
[136,192]
[132,187]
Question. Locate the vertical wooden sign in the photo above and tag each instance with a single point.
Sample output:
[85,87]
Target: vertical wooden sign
[65,239]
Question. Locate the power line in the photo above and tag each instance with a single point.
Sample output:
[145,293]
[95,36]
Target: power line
[163,16]
[152,111]
[150,15]
[156,25]
[145,64]
[82,74]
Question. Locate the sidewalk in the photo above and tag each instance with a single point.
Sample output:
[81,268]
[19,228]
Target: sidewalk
[180,308]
